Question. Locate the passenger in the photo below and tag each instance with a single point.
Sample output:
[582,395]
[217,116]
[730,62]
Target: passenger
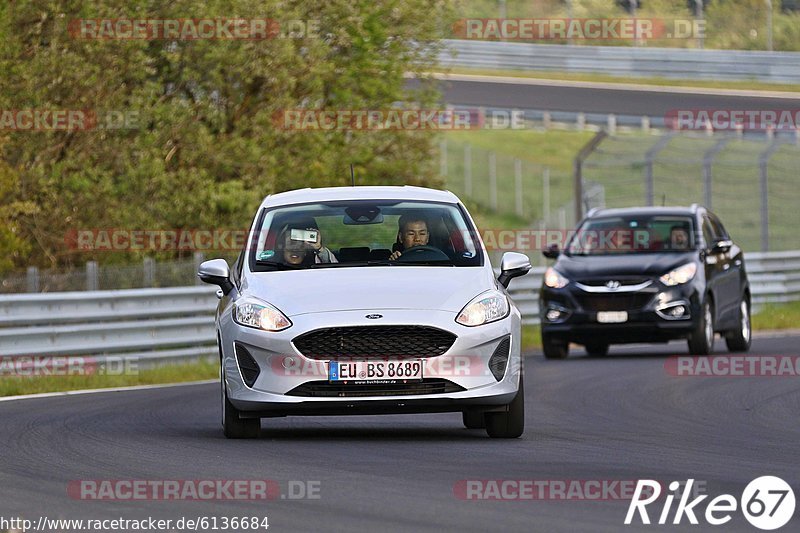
[300,251]
[413,231]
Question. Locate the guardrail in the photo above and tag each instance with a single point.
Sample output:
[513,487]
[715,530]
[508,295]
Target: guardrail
[776,67]
[176,324]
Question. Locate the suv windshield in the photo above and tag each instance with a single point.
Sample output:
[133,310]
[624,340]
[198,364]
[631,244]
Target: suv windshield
[633,234]
[364,233]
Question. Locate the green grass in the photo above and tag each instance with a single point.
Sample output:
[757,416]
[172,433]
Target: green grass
[13,385]
[618,168]
[770,317]
[777,316]
[748,85]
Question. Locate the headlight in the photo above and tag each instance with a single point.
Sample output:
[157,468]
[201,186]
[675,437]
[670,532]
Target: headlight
[680,275]
[554,280]
[257,314]
[484,308]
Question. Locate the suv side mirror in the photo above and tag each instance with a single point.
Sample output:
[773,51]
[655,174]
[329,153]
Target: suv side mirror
[512,266]
[721,246]
[216,272]
[551,252]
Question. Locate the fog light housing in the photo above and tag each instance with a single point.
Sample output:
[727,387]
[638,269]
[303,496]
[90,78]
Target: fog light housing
[674,311]
[556,313]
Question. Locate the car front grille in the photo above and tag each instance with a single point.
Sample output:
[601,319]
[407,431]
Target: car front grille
[614,302]
[326,389]
[374,341]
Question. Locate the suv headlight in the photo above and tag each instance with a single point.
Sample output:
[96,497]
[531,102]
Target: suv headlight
[680,275]
[554,279]
[255,313]
[484,308]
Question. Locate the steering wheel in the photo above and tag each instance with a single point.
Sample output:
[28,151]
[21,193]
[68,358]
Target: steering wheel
[423,253]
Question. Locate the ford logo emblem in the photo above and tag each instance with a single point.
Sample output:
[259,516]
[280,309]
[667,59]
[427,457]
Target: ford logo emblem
[374,317]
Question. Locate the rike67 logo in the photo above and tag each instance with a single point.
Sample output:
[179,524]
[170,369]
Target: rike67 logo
[767,503]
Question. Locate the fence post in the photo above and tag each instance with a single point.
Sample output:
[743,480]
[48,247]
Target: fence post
[649,160]
[546,194]
[708,159]
[468,170]
[547,120]
[199,257]
[493,181]
[91,276]
[149,272]
[33,279]
[612,123]
[443,157]
[580,121]
[763,164]
[578,171]
[518,185]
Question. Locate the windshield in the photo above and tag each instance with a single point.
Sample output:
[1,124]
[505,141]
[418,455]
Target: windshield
[361,233]
[633,234]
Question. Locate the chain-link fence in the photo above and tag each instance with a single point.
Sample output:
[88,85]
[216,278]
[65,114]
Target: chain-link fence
[94,276]
[750,182]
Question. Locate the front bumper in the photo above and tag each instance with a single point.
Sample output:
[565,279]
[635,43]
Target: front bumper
[645,323]
[283,369]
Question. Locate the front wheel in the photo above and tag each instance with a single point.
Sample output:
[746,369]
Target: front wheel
[554,349]
[511,423]
[739,339]
[599,349]
[232,426]
[473,420]
[702,340]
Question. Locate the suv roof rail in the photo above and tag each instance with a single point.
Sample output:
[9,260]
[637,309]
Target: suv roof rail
[695,207]
[592,211]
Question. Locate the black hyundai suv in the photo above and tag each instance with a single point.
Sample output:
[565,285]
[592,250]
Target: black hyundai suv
[645,274]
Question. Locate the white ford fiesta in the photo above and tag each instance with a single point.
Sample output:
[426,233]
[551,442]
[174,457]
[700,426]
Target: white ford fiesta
[367,300]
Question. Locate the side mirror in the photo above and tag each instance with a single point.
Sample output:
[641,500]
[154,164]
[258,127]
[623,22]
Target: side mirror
[216,272]
[721,247]
[551,252]
[512,266]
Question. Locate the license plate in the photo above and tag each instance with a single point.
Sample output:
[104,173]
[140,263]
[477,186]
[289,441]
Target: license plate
[408,369]
[612,317]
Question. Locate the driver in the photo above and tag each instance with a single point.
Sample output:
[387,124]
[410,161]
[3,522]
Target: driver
[413,231]
[679,238]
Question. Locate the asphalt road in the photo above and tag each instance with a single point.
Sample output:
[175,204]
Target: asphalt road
[597,100]
[618,418]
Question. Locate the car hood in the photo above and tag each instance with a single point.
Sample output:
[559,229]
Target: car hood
[369,288]
[599,266]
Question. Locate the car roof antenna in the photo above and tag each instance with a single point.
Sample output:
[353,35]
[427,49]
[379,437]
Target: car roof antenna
[352,175]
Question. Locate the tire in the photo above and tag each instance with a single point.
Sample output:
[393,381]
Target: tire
[234,427]
[473,420]
[701,341]
[554,349]
[511,423]
[597,349]
[739,339]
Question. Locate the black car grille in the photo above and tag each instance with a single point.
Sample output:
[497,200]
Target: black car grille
[374,341]
[326,389]
[624,281]
[614,302]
